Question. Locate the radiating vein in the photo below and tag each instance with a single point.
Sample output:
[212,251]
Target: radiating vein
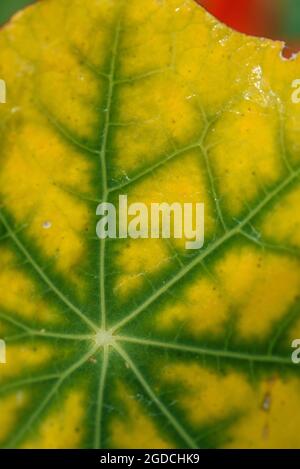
[213,188]
[103,151]
[15,322]
[208,251]
[142,76]
[161,162]
[43,276]
[183,269]
[264,245]
[100,400]
[282,139]
[283,326]
[163,409]
[27,382]
[42,332]
[19,434]
[219,353]
[66,134]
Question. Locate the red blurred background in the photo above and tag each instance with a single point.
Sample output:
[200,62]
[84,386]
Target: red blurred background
[276,19]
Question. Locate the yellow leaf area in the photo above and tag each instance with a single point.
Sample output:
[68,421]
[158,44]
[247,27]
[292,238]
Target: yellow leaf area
[143,343]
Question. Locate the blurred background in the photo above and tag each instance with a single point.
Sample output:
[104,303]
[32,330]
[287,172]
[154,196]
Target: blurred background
[9,7]
[278,19]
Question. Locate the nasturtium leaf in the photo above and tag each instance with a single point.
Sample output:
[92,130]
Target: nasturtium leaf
[132,343]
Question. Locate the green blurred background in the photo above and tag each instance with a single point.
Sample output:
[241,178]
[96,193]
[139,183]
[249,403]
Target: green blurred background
[291,21]
[9,7]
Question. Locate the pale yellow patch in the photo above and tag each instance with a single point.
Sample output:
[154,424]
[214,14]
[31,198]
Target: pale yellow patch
[138,260]
[257,287]
[66,215]
[63,428]
[245,154]
[261,412]
[137,429]
[154,102]
[206,395]
[282,225]
[105,13]
[10,408]
[208,55]
[260,287]
[165,120]
[19,292]
[48,58]
[202,308]
[78,119]
[272,420]
[25,357]
[37,58]
[171,184]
